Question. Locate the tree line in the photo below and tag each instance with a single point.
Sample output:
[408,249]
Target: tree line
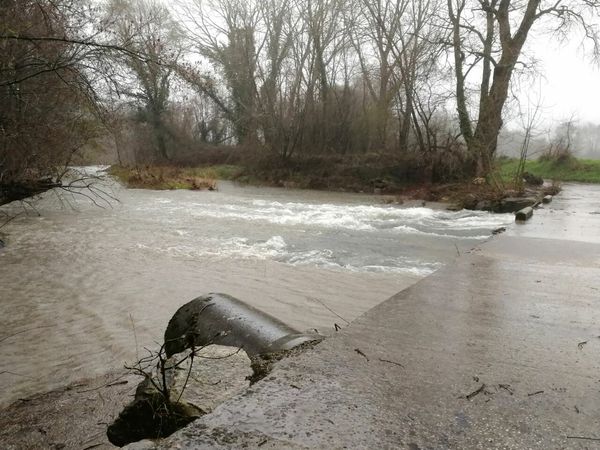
[420,81]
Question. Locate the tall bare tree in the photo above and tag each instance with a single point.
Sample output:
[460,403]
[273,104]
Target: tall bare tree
[147,28]
[491,34]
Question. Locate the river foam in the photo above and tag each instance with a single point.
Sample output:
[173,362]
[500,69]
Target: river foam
[339,236]
[462,224]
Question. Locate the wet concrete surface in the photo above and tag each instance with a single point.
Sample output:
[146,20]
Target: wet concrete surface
[500,349]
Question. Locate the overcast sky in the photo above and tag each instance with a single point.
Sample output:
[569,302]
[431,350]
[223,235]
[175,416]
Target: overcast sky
[571,84]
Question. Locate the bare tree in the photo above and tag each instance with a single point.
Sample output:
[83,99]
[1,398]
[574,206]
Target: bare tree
[54,57]
[223,33]
[491,35]
[146,27]
[48,105]
[530,121]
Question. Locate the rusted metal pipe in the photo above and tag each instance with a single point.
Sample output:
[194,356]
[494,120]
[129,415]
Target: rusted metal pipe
[224,320]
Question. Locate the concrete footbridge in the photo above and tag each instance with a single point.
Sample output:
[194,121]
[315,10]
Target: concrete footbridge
[500,349]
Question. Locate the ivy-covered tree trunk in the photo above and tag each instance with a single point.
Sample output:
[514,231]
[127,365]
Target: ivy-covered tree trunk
[481,138]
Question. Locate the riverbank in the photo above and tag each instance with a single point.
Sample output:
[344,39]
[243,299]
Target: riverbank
[475,194]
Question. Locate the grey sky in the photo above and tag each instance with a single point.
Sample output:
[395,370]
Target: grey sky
[571,83]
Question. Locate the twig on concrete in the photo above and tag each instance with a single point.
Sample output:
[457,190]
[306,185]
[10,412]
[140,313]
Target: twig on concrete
[92,446]
[581,344]
[535,393]
[359,351]
[475,392]
[585,438]
[507,388]
[391,362]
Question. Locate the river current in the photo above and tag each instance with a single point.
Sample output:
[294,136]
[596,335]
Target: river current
[83,289]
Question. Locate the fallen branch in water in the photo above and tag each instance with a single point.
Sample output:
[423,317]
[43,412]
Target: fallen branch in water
[116,382]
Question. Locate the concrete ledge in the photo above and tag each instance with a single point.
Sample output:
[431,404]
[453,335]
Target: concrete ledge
[483,354]
[494,351]
[524,214]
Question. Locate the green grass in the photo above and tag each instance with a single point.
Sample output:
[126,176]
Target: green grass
[581,170]
[218,172]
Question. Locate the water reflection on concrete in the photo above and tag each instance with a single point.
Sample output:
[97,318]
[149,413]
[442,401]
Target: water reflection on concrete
[573,216]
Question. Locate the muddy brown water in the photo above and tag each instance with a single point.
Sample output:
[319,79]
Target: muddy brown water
[83,289]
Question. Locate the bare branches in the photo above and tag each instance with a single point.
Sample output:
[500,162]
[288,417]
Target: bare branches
[326,77]
[85,43]
[158,369]
[493,37]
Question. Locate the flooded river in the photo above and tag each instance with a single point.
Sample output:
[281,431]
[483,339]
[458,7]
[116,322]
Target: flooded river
[80,285]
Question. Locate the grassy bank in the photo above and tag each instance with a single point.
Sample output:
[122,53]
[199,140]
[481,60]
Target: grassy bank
[363,175]
[571,169]
[396,187]
[397,181]
[168,178]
